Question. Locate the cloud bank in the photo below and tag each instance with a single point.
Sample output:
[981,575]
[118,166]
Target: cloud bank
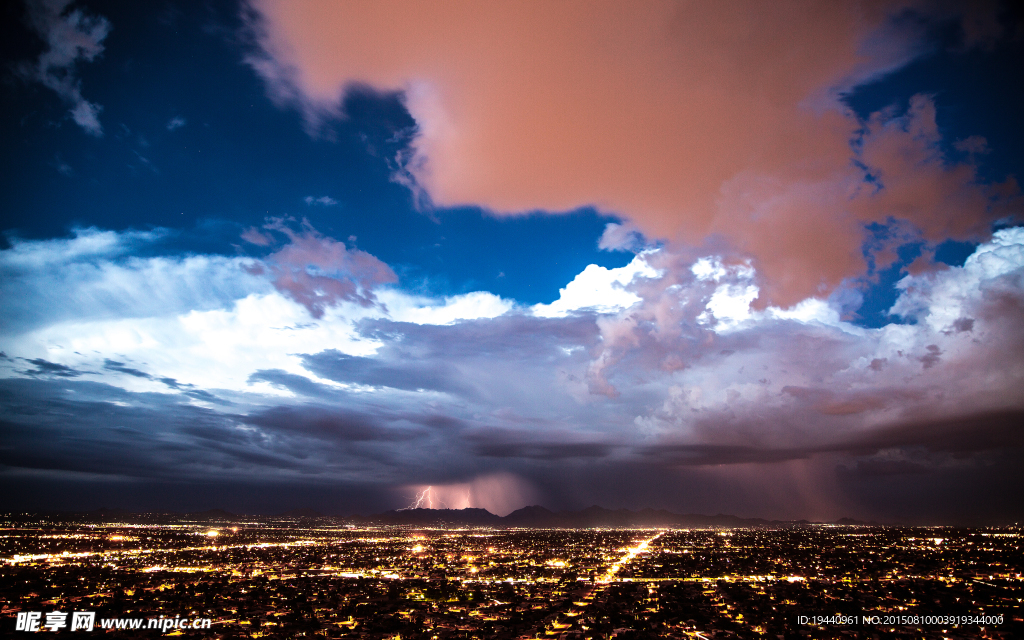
[651,384]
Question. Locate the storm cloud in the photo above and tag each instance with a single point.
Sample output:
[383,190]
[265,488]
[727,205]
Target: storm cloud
[673,255]
[684,380]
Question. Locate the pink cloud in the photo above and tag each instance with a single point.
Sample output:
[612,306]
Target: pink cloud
[71,37]
[919,184]
[317,271]
[690,119]
[253,235]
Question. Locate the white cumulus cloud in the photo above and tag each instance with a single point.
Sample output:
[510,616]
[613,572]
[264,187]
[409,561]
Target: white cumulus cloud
[598,288]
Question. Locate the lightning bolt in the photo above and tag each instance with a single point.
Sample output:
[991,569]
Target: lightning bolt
[425,500]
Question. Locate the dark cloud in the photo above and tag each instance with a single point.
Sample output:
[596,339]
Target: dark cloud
[292,382]
[141,438]
[436,421]
[989,431]
[542,450]
[45,367]
[201,394]
[113,365]
[327,424]
[965,435]
[963,324]
[931,358]
[883,468]
[138,437]
[550,442]
[242,448]
[714,454]
[186,389]
[511,335]
[115,432]
[831,402]
[403,373]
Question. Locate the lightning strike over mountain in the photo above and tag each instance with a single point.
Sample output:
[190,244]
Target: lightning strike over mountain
[425,499]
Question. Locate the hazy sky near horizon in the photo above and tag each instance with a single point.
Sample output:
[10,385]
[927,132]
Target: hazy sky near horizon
[765,260]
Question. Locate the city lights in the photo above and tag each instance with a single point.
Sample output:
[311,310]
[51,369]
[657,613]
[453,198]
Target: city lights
[281,578]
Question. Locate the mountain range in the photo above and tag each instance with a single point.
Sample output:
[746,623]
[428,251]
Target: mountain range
[532,517]
[537,517]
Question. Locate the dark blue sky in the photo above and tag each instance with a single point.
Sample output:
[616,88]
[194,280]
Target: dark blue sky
[233,159]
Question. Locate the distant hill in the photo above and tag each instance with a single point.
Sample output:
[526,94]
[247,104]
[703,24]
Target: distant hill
[532,517]
[538,517]
[212,514]
[860,523]
[105,512]
[438,517]
[302,513]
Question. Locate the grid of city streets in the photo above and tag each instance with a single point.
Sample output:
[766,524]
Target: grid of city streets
[279,578]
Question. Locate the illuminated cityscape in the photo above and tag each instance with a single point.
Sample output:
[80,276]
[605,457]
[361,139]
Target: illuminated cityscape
[259,577]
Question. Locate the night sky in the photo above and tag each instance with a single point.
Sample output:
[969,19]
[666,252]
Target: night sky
[764,260]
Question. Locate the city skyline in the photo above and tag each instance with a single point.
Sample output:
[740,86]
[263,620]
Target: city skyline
[261,256]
